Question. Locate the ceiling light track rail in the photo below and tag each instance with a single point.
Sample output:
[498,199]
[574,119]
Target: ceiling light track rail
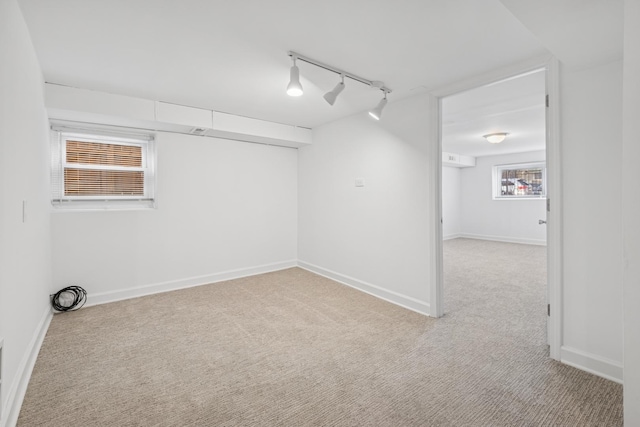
[295,87]
[372,83]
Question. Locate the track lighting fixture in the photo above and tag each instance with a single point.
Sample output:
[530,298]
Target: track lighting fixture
[295,88]
[331,96]
[376,113]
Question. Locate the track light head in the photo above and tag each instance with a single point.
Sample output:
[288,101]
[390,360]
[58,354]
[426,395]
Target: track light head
[376,113]
[331,96]
[294,88]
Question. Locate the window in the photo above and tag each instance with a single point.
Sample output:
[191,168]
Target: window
[521,181]
[97,170]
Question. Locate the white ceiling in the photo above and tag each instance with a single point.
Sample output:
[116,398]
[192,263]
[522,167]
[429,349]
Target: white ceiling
[231,56]
[580,33]
[515,106]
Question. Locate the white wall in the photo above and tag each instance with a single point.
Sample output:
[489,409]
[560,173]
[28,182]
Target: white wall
[225,209]
[25,252]
[631,211]
[592,232]
[373,237]
[503,220]
[451,202]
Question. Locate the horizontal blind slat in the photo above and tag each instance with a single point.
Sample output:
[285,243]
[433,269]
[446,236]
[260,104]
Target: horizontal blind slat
[87,182]
[98,153]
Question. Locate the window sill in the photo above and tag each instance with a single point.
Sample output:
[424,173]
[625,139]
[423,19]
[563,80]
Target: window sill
[101,205]
[519,198]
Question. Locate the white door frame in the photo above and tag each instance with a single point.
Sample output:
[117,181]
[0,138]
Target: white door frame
[554,188]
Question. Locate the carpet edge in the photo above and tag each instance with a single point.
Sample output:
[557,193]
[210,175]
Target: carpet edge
[190,282]
[18,388]
[592,363]
[396,298]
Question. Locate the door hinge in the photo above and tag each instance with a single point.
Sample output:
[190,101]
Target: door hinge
[548,205]
[548,309]
[546,101]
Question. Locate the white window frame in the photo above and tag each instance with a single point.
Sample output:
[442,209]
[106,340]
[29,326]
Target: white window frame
[497,181]
[60,135]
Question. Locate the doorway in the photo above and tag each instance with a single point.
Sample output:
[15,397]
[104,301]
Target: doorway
[543,190]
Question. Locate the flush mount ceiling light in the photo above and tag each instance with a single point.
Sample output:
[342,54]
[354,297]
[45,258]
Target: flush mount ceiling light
[331,96]
[495,138]
[295,88]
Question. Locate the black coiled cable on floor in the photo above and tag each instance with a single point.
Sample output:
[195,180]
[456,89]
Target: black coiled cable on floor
[69,299]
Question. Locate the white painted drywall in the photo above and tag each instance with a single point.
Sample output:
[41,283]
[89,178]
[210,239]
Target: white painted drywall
[631,212]
[25,251]
[82,105]
[591,102]
[377,234]
[504,220]
[451,202]
[222,206]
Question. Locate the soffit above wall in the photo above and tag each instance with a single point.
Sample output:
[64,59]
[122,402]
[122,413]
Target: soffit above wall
[72,105]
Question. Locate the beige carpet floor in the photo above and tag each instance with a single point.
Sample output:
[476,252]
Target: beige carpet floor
[291,348]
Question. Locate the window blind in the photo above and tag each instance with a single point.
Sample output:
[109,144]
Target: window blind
[87,182]
[97,180]
[102,171]
[96,153]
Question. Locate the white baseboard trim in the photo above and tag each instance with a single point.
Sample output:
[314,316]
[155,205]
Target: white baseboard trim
[173,285]
[404,301]
[451,236]
[505,239]
[15,396]
[597,365]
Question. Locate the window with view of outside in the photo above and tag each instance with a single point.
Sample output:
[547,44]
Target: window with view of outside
[520,181]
